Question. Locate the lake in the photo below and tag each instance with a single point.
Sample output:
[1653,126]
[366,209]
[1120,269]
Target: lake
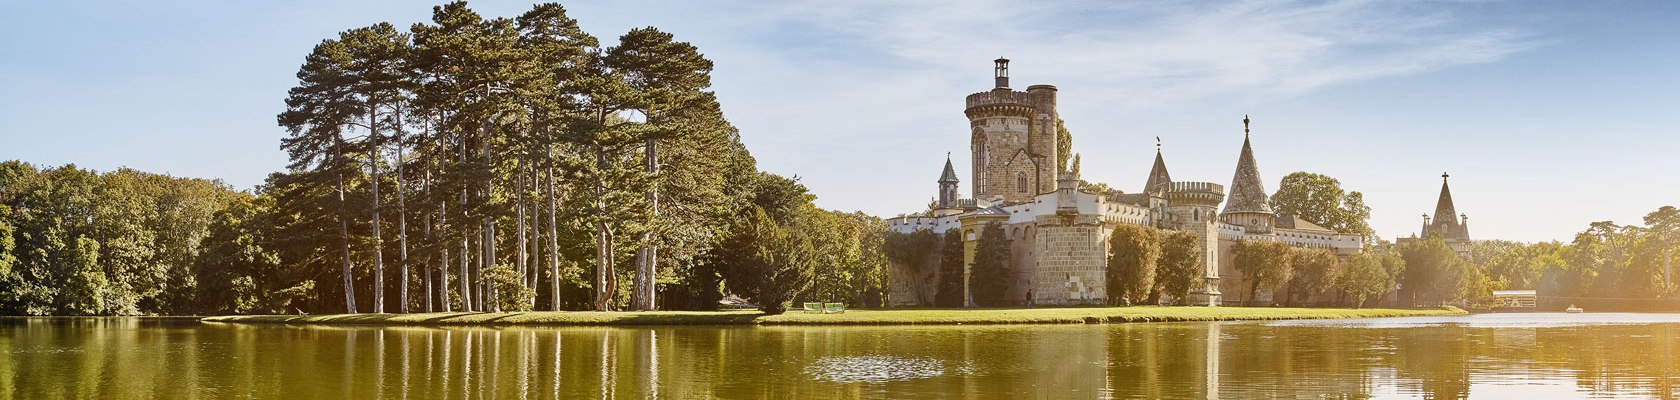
[1477,356]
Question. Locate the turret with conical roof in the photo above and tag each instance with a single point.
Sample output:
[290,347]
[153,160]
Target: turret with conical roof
[948,185]
[1158,175]
[1247,204]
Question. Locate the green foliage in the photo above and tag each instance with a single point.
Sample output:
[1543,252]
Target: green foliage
[766,262]
[1364,277]
[1315,271]
[950,293]
[511,292]
[1264,264]
[1434,272]
[1181,266]
[1064,145]
[851,267]
[911,253]
[1320,199]
[1134,254]
[991,279]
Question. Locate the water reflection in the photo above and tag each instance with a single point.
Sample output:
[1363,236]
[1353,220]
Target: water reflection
[1478,356]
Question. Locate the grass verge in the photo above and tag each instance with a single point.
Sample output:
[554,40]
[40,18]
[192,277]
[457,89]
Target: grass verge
[915,316]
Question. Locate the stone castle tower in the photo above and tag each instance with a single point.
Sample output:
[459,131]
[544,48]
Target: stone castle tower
[1192,207]
[1014,140]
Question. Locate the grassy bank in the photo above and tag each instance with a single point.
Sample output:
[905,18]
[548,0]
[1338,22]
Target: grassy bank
[1068,315]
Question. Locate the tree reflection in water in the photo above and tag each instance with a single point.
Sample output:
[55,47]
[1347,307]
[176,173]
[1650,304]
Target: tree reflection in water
[134,357]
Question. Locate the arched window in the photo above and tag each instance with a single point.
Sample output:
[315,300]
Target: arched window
[969,235]
[1021,182]
[1196,215]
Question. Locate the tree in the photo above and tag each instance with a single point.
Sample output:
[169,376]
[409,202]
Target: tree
[668,78]
[990,280]
[1320,199]
[1434,272]
[1181,266]
[950,293]
[317,110]
[766,263]
[1364,278]
[1064,146]
[1264,264]
[1664,225]
[1315,271]
[1134,252]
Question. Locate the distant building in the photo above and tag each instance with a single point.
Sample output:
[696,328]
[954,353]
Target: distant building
[1059,232]
[1453,226]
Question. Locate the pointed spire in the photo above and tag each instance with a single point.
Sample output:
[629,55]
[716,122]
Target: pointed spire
[1446,215]
[950,174]
[1248,193]
[1158,173]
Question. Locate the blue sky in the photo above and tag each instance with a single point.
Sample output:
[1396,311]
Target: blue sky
[1548,115]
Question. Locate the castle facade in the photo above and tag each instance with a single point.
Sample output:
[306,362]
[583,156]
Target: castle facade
[1059,233]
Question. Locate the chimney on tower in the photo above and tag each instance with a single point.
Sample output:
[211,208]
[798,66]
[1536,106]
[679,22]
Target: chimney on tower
[1000,72]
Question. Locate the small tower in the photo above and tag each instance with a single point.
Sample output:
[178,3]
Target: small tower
[1249,205]
[948,186]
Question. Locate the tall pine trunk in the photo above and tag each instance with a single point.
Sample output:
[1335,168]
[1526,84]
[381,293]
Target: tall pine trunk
[402,224]
[647,257]
[343,226]
[378,241]
[553,240]
[519,211]
[605,283]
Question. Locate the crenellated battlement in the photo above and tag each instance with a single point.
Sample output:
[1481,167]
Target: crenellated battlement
[999,97]
[1204,187]
[1195,193]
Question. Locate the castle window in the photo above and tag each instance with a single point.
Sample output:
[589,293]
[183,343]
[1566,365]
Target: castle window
[1021,182]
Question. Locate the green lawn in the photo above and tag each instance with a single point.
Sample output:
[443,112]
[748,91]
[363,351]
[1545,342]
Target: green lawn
[913,316]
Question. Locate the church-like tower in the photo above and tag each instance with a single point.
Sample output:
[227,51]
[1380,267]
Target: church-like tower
[1013,140]
[948,186]
[1248,205]
[1453,227]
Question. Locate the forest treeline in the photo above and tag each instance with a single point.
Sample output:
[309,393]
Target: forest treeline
[466,164]
[474,163]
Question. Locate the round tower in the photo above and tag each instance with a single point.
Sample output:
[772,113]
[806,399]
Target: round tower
[1013,139]
[1193,207]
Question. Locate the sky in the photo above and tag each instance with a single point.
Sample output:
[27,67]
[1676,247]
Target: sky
[1547,115]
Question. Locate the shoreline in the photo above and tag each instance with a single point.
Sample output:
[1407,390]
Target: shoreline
[857,317]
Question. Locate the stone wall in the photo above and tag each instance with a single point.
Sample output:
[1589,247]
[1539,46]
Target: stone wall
[1070,257]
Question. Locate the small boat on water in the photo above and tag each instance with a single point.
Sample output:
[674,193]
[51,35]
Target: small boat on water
[1573,309]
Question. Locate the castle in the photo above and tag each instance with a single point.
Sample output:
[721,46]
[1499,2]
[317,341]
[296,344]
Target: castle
[1059,233]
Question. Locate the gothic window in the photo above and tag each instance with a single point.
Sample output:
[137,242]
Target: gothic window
[1021,182]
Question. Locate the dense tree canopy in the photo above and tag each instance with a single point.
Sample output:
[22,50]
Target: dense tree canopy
[1321,199]
[1133,254]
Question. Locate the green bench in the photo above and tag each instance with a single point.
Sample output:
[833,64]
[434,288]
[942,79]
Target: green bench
[824,308]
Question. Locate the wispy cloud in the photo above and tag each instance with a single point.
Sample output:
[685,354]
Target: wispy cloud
[1159,54]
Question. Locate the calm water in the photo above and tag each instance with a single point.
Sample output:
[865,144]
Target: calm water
[1482,356]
